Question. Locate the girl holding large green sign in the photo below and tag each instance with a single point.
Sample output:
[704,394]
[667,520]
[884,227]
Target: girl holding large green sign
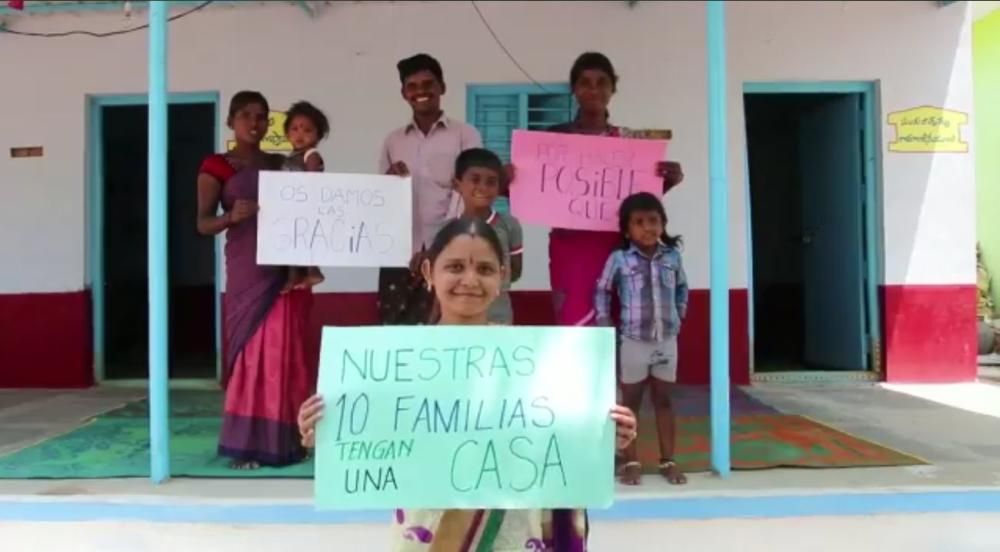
[464,269]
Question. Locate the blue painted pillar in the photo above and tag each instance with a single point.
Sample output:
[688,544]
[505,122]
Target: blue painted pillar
[718,217]
[159,427]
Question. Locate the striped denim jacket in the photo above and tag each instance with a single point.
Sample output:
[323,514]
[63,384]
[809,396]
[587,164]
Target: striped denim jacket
[653,293]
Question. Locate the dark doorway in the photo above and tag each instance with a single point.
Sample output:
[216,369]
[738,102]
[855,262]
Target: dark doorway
[807,203]
[191,256]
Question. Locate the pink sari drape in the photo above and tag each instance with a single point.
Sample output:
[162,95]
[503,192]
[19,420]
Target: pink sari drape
[266,372]
[576,258]
[270,379]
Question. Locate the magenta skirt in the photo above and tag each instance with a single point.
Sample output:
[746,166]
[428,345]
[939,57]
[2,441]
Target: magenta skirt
[576,259]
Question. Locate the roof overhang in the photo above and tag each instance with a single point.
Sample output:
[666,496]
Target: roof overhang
[50,7]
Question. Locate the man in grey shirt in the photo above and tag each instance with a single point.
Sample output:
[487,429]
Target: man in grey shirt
[424,149]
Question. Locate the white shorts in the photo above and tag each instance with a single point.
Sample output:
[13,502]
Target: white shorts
[640,359]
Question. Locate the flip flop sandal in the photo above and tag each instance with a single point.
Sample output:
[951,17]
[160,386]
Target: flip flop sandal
[244,465]
[669,466]
[630,473]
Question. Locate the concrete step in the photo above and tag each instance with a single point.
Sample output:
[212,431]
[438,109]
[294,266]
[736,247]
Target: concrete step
[886,533]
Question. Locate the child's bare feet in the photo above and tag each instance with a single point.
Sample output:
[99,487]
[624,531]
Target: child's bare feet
[631,473]
[672,473]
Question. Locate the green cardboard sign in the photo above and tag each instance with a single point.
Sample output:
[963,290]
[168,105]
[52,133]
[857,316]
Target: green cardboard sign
[466,417]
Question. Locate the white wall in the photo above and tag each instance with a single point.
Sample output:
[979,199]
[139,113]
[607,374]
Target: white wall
[920,55]
[344,60]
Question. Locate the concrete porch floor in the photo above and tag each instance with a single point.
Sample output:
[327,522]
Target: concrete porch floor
[956,428]
[914,533]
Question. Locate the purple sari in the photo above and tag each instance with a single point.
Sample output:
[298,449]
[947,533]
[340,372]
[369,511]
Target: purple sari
[266,373]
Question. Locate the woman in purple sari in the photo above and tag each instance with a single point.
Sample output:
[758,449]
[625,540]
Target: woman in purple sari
[266,374]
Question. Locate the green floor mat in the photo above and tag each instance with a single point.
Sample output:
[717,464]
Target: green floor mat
[184,403]
[116,444]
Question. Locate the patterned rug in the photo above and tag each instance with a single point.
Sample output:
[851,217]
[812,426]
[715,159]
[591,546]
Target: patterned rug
[116,444]
[770,441]
[762,437]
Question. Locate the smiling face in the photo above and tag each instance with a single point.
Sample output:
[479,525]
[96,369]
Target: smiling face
[302,133]
[423,91]
[479,187]
[249,124]
[466,277]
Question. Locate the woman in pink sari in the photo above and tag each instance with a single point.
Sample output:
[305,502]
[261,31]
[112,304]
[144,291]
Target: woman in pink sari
[576,257]
[266,375]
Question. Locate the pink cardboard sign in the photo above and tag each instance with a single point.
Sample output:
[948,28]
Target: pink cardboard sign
[578,182]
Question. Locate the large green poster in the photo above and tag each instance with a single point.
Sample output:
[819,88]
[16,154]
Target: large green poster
[466,417]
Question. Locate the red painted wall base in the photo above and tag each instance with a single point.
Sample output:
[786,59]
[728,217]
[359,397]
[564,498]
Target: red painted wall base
[930,333]
[45,340]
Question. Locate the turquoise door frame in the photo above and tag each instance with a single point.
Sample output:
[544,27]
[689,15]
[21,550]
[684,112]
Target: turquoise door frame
[95,212]
[872,191]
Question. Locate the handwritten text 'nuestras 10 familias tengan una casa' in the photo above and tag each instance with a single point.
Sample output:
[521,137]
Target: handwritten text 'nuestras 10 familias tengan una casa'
[453,417]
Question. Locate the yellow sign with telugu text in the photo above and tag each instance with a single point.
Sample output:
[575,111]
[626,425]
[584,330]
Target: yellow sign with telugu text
[275,140]
[928,129]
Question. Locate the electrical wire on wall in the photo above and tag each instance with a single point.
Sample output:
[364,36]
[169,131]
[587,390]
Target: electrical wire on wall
[500,43]
[203,5]
[62,34]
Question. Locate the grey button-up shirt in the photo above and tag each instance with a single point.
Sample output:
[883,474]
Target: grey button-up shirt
[431,160]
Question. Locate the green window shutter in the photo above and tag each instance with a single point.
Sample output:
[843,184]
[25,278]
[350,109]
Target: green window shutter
[545,110]
[497,110]
[496,116]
